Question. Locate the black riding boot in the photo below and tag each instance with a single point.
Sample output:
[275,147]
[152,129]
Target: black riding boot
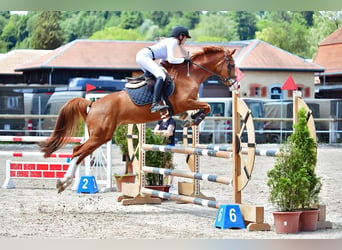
[156,96]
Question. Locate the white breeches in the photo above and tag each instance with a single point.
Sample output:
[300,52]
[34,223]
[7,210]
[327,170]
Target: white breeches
[145,61]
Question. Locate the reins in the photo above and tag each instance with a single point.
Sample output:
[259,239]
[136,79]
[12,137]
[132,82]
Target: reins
[230,67]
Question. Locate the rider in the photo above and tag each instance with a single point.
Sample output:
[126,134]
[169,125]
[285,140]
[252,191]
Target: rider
[163,50]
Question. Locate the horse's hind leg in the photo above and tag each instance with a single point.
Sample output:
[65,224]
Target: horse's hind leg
[66,181]
[80,152]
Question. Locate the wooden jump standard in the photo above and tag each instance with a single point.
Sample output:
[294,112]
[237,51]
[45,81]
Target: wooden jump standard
[136,193]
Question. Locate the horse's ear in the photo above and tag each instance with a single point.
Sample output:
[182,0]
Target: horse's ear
[232,52]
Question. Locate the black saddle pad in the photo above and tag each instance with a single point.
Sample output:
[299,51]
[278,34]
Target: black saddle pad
[142,95]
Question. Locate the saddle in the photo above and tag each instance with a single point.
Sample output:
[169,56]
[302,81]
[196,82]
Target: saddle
[140,89]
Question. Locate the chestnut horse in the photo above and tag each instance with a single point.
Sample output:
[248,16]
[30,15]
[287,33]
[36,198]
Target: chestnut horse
[104,115]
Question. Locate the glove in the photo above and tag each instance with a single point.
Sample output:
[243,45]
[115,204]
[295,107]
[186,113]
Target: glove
[187,60]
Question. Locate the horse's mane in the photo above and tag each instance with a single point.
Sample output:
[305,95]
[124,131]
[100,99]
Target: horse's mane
[206,50]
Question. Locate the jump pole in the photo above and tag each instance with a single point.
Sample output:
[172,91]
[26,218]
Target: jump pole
[191,175]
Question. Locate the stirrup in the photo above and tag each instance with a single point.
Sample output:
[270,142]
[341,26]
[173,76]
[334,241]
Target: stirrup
[157,107]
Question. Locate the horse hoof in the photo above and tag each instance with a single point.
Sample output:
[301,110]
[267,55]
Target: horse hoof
[60,186]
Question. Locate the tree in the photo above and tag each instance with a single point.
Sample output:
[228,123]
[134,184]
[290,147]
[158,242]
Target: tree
[48,33]
[216,27]
[9,33]
[325,22]
[246,24]
[115,33]
[286,30]
[308,16]
[131,19]
[160,18]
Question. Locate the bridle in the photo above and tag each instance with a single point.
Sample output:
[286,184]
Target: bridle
[230,69]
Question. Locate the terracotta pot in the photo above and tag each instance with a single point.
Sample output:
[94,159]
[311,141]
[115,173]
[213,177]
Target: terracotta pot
[124,178]
[308,220]
[286,222]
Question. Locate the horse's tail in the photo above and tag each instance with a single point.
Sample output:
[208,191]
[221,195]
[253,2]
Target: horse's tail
[67,122]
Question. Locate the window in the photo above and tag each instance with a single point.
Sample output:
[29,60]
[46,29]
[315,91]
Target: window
[216,109]
[254,90]
[12,102]
[276,93]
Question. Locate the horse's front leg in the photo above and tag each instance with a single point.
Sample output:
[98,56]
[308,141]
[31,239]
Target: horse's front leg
[66,181]
[194,119]
[198,117]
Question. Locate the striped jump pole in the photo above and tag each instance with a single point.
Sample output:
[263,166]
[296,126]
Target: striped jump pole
[192,175]
[258,152]
[178,197]
[28,153]
[35,139]
[187,150]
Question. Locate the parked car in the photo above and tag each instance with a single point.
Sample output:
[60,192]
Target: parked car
[35,100]
[76,88]
[11,103]
[278,131]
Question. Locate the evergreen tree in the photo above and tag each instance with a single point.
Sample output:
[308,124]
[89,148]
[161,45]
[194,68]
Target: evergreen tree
[215,28]
[48,33]
[246,24]
[9,33]
[131,19]
[160,18]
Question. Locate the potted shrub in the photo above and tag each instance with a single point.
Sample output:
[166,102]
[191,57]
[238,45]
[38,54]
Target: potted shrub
[120,138]
[307,146]
[156,159]
[293,185]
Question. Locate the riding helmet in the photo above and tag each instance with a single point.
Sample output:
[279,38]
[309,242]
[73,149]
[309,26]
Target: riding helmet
[180,31]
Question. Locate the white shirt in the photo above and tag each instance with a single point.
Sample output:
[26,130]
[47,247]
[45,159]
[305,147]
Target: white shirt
[165,50]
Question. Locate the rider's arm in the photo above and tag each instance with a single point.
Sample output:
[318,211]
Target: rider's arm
[171,45]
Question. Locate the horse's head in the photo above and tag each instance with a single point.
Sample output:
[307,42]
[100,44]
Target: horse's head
[225,67]
[231,74]
[217,61]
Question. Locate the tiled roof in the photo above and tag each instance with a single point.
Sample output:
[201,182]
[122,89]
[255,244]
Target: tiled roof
[11,60]
[333,38]
[329,53]
[263,56]
[253,54]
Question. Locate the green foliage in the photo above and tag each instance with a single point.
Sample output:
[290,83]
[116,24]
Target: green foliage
[246,24]
[155,158]
[120,139]
[48,33]
[9,33]
[324,23]
[131,19]
[286,30]
[152,158]
[298,32]
[216,26]
[162,18]
[115,33]
[293,183]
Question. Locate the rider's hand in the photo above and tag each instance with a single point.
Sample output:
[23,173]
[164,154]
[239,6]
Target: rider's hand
[187,60]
